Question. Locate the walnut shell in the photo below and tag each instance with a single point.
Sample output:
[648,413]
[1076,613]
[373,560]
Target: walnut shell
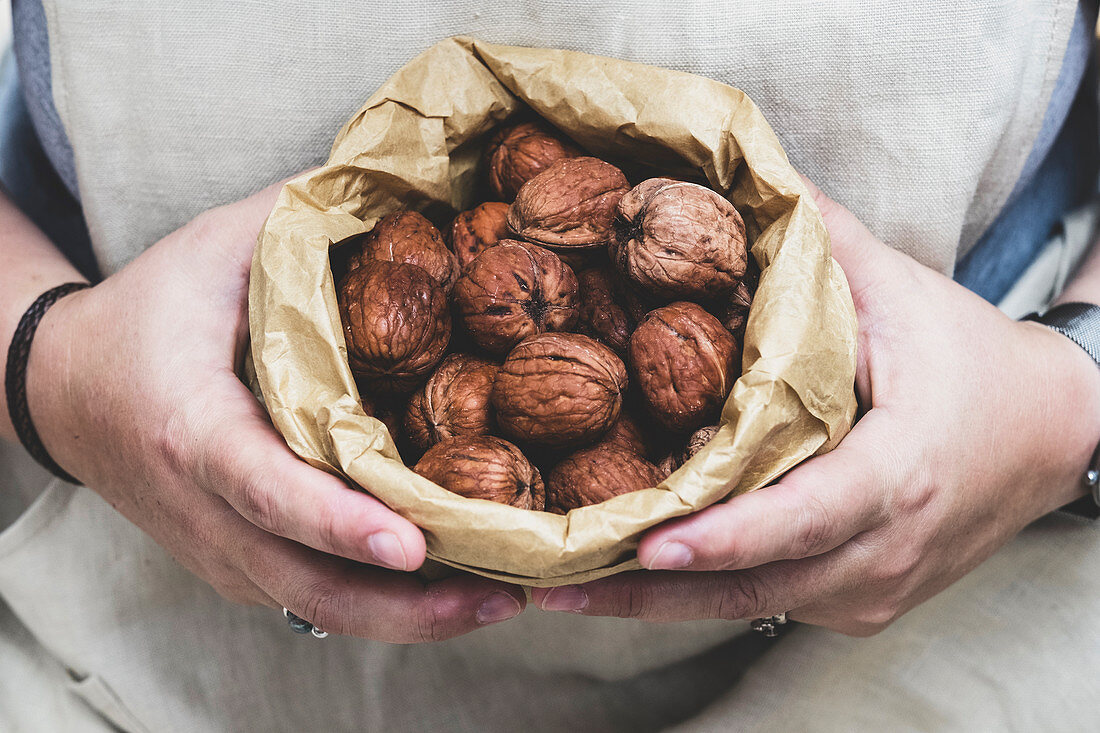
[685,362]
[512,291]
[518,153]
[382,412]
[695,443]
[570,205]
[596,474]
[484,467]
[396,323]
[679,240]
[453,402]
[406,236]
[736,312]
[733,312]
[476,230]
[628,434]
[601,315]
[559,390]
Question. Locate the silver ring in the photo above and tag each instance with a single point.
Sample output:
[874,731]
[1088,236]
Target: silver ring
[300,626]
[769,626]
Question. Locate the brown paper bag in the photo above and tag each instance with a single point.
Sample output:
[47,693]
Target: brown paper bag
[416,142]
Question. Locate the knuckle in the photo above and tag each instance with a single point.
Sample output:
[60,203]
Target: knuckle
[897,568]
[174,440]
[734,556]
[207,227]
[334,529]
[327,528]
[741,595]
[915,496]
[323,606]
[429,622]
[258,503]
[632,602]
[875,617]
[815,527]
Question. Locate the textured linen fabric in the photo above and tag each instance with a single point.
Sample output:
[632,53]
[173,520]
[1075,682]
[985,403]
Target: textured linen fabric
[1010,647]
[920,119]
[32,48]
[1065,180]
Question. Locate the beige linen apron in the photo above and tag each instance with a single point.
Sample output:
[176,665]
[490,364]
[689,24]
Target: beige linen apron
[918,116]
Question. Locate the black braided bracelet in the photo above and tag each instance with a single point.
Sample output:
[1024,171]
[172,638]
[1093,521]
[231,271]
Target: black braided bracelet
[15,378]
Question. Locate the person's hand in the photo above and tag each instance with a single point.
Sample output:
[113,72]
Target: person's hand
[132,387]
[976,425]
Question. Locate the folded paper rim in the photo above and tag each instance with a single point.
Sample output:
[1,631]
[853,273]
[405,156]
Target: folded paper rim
[415,142]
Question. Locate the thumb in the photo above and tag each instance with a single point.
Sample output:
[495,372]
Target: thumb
[863,257]
[814,508]
[242,220]
[246,462]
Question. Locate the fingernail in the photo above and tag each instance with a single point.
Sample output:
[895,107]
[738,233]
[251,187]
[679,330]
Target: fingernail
[387,550]
[565,598]
[670,556]
[497,607]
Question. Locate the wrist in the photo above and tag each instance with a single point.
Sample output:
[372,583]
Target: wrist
[1072,409]
[52,395]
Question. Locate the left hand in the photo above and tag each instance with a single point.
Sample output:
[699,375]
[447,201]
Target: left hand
[976,426]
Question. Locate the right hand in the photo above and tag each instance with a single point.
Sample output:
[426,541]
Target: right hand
[132,387]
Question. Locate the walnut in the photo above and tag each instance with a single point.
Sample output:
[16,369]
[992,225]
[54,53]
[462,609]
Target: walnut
[596,474]
[733,312]
[736,312]
[381,411]
[679,240]
[453,402]
[476,230]
[685,362]
[636,304]
[667,465]
[559,390]
[396,323]
[484,467]
[694,444]
[512,291]
[570,205]
[602,315]
[629,435]
[518,153]
[406,236]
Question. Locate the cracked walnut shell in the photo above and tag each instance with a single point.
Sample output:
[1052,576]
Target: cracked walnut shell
[570,205]
[453,402]
[597,474]
[518,153]
[407,237]
[685,362]
[679,240]
[512,291]
[695,443]
[396,323]
[484,467]
[733,311]
[559,390]
[476,230]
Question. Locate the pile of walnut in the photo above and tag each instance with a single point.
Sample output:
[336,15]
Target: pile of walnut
[554,299]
